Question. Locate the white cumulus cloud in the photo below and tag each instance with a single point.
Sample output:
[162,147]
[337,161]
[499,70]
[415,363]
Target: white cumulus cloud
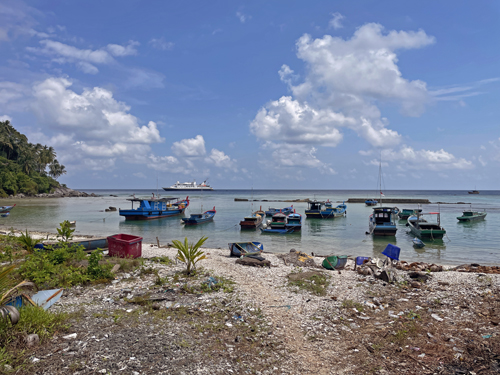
[91,125]
[190,147]
[336,21]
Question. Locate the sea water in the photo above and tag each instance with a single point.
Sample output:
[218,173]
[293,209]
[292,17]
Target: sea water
[475,242]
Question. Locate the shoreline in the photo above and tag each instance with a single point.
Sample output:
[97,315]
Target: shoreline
[265,324]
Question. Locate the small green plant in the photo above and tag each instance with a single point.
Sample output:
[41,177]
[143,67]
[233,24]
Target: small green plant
[97,271]
[349,304]
[65,231]
[28,242]
[189,254]
[7,254]
[315,283]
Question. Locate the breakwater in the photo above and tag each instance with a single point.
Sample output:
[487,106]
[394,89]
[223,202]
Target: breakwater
[392,200]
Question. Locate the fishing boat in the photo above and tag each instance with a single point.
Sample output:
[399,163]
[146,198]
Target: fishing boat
[277,231]
[5,210]
[371,202]
[189,186]
[88,244]
[325,210]
[277,222]
[294,221]
[418,243]
[474,191]
[469,215]
[195,219]
[155,208]
[425,229]
[405,213]
[381,222]
[239,249]
[252,222]
[274,211]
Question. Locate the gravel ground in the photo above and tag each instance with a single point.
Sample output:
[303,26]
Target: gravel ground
[154,321]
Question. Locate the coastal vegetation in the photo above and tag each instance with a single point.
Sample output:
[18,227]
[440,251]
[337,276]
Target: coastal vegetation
[25,167]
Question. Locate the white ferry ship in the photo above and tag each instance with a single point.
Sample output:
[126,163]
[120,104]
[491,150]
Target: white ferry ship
[189,186]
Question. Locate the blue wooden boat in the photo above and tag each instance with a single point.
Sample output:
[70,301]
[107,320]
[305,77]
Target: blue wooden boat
[325,210]
[284,211]
[277,231]
[371,202]
[5,210]
[277,222]
[196,219]
[239,249]
[418,243]
[294,221]
[381,222]
[88,244]
[155,208]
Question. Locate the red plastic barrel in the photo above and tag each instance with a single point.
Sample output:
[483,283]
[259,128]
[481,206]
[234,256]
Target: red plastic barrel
[124,246]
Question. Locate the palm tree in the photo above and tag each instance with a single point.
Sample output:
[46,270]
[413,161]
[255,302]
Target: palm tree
[56,169]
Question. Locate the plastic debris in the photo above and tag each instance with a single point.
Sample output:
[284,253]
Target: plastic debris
[69,337]
[211,281]
[435,316]
[487,336]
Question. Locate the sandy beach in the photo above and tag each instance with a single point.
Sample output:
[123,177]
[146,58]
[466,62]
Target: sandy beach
[153,320]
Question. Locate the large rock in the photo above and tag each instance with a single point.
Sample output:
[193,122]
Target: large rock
[247,261]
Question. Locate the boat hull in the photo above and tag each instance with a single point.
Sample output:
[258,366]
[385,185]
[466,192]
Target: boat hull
[426,230]
[189,221]
[245,248]
[479,217]
[188,189]
[135,215]
[90,244]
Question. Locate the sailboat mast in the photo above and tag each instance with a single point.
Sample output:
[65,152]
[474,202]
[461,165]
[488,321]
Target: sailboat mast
[380,179]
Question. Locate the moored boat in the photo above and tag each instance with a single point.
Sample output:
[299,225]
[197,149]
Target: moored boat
[195,219]
[155,208]
[473,192]
[405,213]
[252,222]
[418,243]
[274,211]
[294,222]
[469,215]
[325,210]
[381,222]
[425,229]
[371,202]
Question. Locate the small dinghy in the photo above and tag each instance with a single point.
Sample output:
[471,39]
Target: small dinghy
[418,243]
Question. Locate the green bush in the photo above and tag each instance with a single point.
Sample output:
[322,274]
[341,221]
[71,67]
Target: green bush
[60,267]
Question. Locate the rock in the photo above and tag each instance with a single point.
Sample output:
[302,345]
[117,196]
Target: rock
[388,276]
[415,284]
[32,340]
[253,262]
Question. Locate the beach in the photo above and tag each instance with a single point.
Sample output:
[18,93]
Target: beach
[153,320]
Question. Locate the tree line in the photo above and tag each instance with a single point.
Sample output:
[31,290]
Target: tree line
[26,167]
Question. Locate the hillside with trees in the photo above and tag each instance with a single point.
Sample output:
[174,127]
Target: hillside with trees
[25,167]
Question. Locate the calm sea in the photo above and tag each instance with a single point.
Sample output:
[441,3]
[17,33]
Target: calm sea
[465,242]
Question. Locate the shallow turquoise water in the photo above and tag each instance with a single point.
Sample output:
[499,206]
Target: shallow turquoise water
[465,242]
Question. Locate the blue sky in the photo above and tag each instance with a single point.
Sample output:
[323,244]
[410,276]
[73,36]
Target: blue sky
[281,94]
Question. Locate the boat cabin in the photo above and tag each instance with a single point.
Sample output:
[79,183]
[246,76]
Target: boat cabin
[383,215]
[162,204]
[315,205]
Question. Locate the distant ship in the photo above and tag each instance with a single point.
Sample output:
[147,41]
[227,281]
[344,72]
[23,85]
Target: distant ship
[189,186]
